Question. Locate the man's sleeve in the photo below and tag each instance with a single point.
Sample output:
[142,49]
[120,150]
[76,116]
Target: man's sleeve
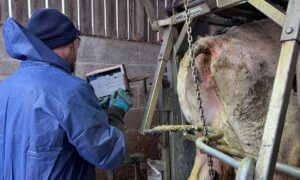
[88,130]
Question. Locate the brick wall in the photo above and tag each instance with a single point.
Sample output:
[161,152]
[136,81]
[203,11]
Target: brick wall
[139,60]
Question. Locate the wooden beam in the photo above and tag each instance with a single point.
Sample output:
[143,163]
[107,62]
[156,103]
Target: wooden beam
[99,25]
[20,10]
[71,11]
[111,19]
[122,19]
[36,4]
[85,17]
[3,10]
[55,4]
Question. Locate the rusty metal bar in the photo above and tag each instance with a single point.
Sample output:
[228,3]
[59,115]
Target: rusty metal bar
[214,134]
[174,128]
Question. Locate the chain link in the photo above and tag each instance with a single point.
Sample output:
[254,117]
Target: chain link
[212,173]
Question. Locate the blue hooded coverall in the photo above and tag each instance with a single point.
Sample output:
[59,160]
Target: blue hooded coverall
[51,126]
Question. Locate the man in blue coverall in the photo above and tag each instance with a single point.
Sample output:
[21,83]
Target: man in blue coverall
[51,123]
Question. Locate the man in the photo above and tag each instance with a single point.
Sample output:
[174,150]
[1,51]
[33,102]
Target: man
[51,124]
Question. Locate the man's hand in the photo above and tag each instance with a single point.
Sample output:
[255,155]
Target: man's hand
[117,105]
[104,104]
[121,100]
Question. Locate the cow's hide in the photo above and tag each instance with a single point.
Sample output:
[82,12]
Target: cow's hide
[236,71]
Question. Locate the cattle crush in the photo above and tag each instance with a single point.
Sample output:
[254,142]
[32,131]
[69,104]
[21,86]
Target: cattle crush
[186,21]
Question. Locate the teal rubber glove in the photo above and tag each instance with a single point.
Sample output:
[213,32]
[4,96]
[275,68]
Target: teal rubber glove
[104,104]
[121,100]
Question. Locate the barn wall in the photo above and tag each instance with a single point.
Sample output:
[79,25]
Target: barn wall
[114,19]
[139,60]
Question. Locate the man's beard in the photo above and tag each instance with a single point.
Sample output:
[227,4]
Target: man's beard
[73,67]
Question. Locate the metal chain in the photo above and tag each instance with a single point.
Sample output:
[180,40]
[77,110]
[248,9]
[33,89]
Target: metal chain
[212,172]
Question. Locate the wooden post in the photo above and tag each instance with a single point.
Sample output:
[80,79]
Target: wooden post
[55,4]
[111,19]
[85,17]
[152,34]
[3,10]
[71,11]
[122,19]
[20,10]
[36,4]
[99,26]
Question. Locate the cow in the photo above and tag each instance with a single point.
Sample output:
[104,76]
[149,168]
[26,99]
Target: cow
[236,71]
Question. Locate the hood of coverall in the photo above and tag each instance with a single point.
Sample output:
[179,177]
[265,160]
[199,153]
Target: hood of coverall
[23,45]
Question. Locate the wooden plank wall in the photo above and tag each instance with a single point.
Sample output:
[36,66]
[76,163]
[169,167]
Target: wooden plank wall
[115,19]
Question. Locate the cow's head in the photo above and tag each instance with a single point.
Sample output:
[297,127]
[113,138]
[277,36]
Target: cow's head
[236,72]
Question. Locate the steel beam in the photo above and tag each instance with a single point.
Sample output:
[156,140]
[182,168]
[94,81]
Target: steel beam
[151,12]
[180,17]
[292,22]
[165,152]
[289,170]
[217,154]
[291,29]
[246,169]
[180,39]
[286,169]
[228,3]
[298,79]
[163,59]
[198,11]
[269,10]
[286,69]
[192,3]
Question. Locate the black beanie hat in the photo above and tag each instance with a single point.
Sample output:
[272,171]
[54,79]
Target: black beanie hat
[52,27]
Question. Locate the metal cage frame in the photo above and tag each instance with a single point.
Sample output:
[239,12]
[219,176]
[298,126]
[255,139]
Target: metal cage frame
[286,69]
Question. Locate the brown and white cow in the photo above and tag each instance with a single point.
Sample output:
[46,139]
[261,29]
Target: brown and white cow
[237,71]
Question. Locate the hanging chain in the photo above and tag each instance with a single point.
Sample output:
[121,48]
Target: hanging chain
[212,172]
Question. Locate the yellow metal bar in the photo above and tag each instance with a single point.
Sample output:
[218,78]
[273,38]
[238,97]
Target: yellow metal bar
[174,128]
[269,10]
[163,58]
[286,69]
